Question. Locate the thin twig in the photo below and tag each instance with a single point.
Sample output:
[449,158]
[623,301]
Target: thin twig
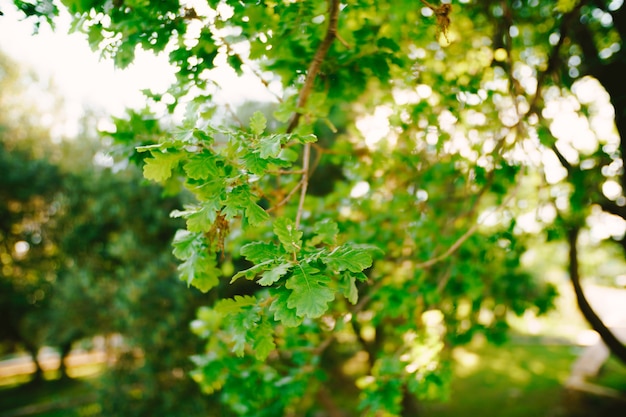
[257,74]
[286,172]
[305,181]
[312,72]
[443,281]
[430,6]
[457,244]
[286,199]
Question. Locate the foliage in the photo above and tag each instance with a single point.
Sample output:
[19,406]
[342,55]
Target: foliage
[110,223]
[29,186]
[27,251]
[446,133]
[71,232]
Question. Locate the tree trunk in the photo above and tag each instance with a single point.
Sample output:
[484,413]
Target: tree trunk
[64,353]
[613,343]
[33,351]
[410,405]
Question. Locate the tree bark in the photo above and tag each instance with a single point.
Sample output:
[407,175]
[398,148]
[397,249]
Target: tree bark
[33,351]
[613,343]
[410,405]
[64,353]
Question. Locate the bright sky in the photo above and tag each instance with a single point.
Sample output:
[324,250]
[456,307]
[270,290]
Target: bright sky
[81,77]
[85,80]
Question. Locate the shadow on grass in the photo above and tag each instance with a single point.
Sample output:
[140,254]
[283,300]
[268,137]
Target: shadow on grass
[50,398]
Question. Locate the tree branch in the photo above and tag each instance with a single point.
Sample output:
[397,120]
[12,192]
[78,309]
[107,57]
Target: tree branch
[612,342]
[306,157]
[318,58]
[553,58]
[457,244]
[305,92]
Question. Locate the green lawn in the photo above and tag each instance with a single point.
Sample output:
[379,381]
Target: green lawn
[524,380]
[50,398]
[613,375]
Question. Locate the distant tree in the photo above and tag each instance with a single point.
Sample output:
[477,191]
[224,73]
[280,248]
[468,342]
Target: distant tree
[71,234]
[446,125]
[118,278]
[27,251]
[29,186]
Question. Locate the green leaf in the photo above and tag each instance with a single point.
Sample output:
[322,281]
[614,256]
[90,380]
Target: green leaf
[124,55]
[347,285]
[236,201]
[310,138]
[271,276]
[251,273]
[200,271]
[269,146]
[202,220]
[255,214]
[289,236]
[263,340]
[288,155]
[282,312]
[326,231]
[348,258]
[211,374]
[204,282]
[183,134]
[241,324]
[255,164]
[201,166]
[234,305]
[160,166]
[286,109]
[565,6]
[258,252]
[258,123]
[183,244]
[310,294]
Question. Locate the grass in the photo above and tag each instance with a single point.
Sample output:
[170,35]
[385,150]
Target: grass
[522,378]
[525,379]
[514,380]
[612,375]
[51,397]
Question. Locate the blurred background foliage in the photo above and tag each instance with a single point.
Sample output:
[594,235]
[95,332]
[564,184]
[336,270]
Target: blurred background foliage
[85,254]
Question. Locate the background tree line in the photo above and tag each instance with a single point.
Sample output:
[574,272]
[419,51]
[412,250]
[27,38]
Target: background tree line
[84,254]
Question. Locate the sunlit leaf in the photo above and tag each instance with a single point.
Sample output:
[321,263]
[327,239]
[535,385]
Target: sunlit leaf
[310,293]
[159,167]
[270,276]
[289,236]
[258,123]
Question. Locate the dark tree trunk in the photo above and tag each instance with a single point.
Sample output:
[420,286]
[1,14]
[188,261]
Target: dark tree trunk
[64,353]
[410,405]
[33,351]
[613,343]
